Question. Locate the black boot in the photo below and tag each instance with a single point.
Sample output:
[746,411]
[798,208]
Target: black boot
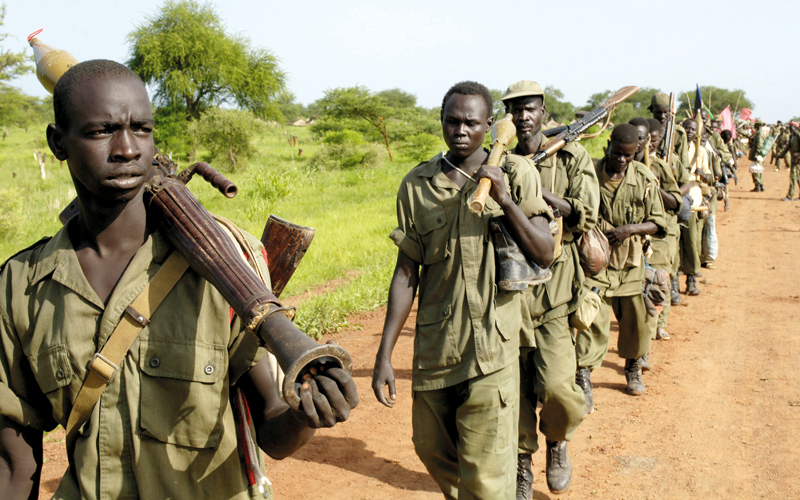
[633,374]
[514,271]
[691,285]
[675,294]
[524,477]
[559,468]
[583,377]
[644,363]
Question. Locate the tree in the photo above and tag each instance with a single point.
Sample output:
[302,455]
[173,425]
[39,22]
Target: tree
[186,54]
[228,135]
[634,106]
[12,64]
[557,108]
[397,98]
[715,98]
[357,103]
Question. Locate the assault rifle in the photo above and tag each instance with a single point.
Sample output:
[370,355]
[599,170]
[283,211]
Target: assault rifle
[669,132]
[568,133]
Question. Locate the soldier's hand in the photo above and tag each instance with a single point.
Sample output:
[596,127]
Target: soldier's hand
[327,397]
[383,375]
[619,234]
[498,190]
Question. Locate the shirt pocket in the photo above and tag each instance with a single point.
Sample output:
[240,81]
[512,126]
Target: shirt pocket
[435,235]
[51,368]
[434,343]
[508,314]
[182,391]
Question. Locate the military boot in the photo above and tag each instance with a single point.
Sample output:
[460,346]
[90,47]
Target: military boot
[633,374]
[675,294]
[583,377]
[644,363]
[559,468]
[524,477]
[691,285]
[514,271]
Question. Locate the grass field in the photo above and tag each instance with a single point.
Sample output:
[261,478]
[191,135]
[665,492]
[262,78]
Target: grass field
[353,211]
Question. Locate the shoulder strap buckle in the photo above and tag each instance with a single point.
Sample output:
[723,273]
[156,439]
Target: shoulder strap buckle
[103,367]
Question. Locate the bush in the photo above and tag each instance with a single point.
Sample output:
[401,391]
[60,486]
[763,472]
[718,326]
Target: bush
[351,137]
[421,147]
[228,134]
[265,189]
[345,156]
[171,133]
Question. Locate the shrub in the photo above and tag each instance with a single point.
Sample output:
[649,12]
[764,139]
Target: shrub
[345,156]
[421,147]
[228,134]
[352,137]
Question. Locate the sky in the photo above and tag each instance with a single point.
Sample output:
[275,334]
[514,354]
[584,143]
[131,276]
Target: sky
[423,47]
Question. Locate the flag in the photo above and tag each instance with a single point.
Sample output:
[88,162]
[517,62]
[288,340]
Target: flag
[727,120]
[745,114]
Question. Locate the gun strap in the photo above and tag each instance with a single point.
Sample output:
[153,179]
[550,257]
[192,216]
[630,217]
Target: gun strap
[104,364]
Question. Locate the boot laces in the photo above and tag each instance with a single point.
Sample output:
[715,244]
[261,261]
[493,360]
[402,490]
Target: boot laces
[556,455]
[523,481]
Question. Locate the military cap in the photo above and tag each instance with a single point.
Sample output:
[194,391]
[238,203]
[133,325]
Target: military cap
[658,99]
[759,121]
[523,88]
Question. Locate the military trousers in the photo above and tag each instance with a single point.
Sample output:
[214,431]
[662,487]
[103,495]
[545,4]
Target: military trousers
[758,179]
[794,180]
[635,327]
[465,435]
[548,375]
[690,245]
[674,258]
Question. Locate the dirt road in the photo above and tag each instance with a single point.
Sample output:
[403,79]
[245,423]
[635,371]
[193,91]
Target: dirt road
[719,421]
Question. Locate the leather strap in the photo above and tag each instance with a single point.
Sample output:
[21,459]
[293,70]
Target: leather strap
[104,364]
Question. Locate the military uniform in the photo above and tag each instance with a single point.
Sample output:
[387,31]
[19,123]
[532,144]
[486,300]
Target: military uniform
[547,343]
[692,232]
[793,151]
[164,426]
[665,249]
[634,201]
[466,344]
[780,151]
[756,145]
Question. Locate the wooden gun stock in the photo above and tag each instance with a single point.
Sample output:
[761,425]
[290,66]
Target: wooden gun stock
[503,132]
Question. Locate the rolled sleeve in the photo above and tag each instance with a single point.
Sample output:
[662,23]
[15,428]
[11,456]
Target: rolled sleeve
[654,207]
[584,191]
[404,236]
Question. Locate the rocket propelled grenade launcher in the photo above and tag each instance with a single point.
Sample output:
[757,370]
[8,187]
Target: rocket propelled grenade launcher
[503,132]
[51,63]
[575,130]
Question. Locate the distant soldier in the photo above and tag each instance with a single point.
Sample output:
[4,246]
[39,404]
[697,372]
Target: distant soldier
[781,151]
[793,149]
[659,106]
[757,153]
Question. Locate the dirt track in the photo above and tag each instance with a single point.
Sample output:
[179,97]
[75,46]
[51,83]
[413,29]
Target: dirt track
[719,420]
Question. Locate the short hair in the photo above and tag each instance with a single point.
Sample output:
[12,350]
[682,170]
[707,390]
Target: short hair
[76,75]
[688,120]
[726,135]
[638,121]
[625,133]
[654,124]
[469,88]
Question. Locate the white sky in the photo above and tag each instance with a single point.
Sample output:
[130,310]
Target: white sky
[423,47]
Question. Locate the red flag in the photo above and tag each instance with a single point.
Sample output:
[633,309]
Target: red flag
[745,114]
[727,121]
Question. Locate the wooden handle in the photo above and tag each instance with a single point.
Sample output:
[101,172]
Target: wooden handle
[479,198]
[503,131]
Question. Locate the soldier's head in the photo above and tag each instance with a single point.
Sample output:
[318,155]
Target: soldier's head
[659,106]
[103,129]
[466,117]
[690,124]
[642,133]
[727,136]
[622,148]
[655,133]
[525,101]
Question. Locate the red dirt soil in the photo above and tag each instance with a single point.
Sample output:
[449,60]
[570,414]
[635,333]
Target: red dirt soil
[718,420]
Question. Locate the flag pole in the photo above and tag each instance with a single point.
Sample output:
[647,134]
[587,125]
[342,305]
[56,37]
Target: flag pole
[737,103]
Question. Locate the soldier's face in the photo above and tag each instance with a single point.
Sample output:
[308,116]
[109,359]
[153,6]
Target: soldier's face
[465,121]
[109,143]
[527,113]
[655,140]
[619,156]
[691,130]
[660,113]
[643,133]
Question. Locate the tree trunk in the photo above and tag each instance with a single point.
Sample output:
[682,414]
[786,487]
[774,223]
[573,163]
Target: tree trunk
[386,138]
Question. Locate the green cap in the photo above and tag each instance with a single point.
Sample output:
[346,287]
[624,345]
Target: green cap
[523,88]
[658,99]
[759,121]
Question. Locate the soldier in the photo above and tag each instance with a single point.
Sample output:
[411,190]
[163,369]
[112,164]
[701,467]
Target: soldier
[792,149]
[547,348]
[780,150]
[692,232]
[663,246]
[164,426]
[659,106]
[465,376]
[630,208]
[757,153]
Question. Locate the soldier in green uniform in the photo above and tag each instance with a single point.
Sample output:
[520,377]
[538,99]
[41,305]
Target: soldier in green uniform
[164,425]
[630,208]
[659,106]
[781,148]
[663,246]
[547,347]
[465,376]
[757,153]
[792,149]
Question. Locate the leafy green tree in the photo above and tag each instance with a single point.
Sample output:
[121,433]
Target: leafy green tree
[228,134]
[17,108]
[357,103]
[12,64]
[558,109]
[634,106]
[397,98]
[715,98]
[186,54]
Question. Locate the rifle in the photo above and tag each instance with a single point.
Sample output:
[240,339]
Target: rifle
[574,131]
[669,132]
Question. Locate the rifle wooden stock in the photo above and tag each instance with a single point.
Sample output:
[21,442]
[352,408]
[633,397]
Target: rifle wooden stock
[211,253]
[669,131]
[572,132]
[286,244]
[503,131]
